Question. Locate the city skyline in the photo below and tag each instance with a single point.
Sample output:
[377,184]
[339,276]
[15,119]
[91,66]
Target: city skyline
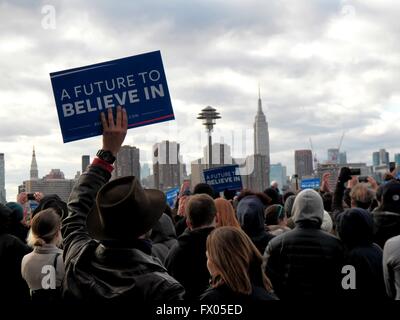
[324,67]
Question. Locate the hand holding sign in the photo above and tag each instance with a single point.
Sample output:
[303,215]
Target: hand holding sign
[114,133]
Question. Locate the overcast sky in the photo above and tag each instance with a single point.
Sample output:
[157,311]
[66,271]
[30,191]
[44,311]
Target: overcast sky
[324,67]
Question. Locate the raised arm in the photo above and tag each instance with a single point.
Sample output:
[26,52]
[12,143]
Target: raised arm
[84,193]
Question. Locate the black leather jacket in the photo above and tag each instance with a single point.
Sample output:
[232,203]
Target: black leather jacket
[94,272]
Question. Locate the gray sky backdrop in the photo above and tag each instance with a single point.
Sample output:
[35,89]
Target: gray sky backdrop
[324,67]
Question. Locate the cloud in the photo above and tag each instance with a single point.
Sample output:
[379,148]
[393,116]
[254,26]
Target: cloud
[324,67]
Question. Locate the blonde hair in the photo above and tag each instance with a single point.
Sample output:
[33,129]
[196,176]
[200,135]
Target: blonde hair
[235,257]
[45,228]
[226,214]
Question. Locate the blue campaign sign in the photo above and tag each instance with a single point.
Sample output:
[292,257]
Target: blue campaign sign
[310,183]
[171,195]
[137,83]
[224,178]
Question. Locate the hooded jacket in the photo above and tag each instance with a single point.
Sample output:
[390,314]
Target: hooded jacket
[163,237]
[250,213]
[355,229]
[305,262]
[386,226]
[391,267]
[187,262]
[97,272]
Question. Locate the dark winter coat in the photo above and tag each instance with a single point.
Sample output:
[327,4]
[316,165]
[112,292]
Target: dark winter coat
[111,272]
[163,237]
[355,229]
[250,213]
[225,295]
[305,262]
[187,262]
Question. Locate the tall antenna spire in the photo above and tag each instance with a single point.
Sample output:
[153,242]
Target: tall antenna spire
[34,173]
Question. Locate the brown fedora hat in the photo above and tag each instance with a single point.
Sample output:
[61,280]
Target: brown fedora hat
[124,210]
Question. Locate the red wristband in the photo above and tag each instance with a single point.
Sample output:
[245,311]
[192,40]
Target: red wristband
[104,164]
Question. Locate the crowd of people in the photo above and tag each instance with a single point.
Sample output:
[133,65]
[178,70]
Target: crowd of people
[117,242]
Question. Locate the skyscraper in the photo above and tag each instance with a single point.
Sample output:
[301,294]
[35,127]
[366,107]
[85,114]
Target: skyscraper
[168,169]
[127,162]
[278,174]
[384,156]
[333,155]
[85,162]
[261,139]
[34,172]
[255,177]
[2,180]
[144,171]
[220,153]
[397,159]
[303,163]
[342,157]
[380,157]
[375,159]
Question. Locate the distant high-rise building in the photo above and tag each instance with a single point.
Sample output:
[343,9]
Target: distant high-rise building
[144,171]
[2,180]
[85,162]
[52,183]
[375,159]
[255,177]
[333,155]
[342,157]
[261,137]
[278,173]
[168,169]
[380,157]
[197,166]
[34,172]
[397,159]
[384,156]
[221,154]
[127,162]
[303,163]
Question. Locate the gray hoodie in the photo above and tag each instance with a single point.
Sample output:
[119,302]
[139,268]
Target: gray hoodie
[308,206]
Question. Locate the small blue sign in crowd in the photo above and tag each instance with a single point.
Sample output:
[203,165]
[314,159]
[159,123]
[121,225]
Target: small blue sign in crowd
[313,183]
[224,178]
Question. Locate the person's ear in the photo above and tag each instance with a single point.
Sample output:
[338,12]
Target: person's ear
[217,218]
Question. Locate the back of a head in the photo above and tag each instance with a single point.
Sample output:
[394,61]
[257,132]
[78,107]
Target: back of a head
[52,201]
[200,210]
[289,205]
[203,188]
[5,214]
[273,194]
[274,214]
[235,257]
[45,227]
[226,213]
[391,196]
[229,194]
[17,211]
[250,213]
[163,230]
[355,227]
[286,195]
[361,196]
[308,207]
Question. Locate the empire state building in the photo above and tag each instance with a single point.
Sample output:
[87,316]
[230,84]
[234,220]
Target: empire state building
[261,139]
